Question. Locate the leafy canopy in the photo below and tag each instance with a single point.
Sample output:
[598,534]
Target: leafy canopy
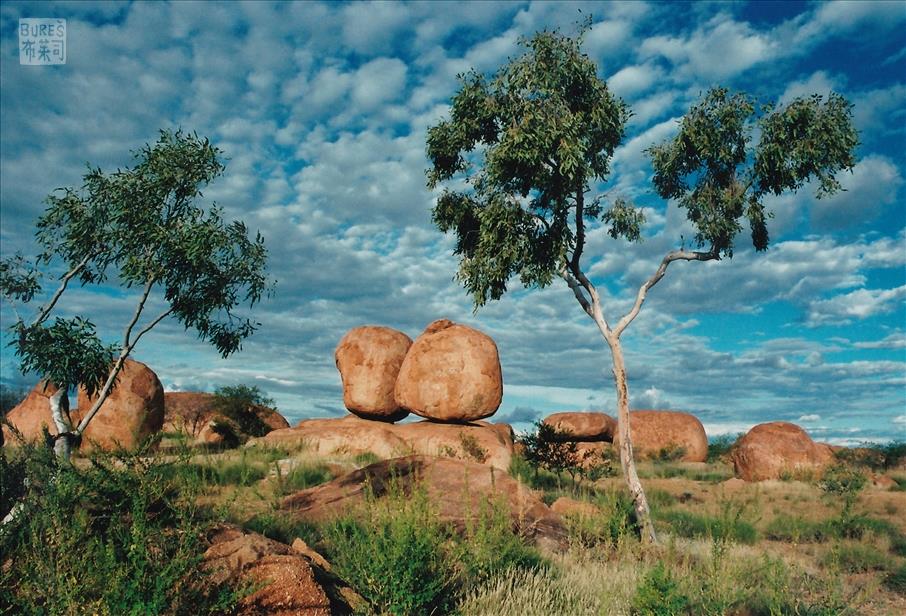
[525,142]
[139,226]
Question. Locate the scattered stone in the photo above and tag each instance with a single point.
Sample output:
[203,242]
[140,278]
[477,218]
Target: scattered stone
[458,489]
[451,373]
[778,450]
[656,431]
[133,411]
[584,425]
[369,360]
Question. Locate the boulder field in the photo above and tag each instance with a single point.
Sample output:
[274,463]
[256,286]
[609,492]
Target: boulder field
[777,449]
[459,489]
[481,441]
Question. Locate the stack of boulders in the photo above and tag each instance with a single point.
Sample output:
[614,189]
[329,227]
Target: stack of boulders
[450,376]
[652,432]
[133,411]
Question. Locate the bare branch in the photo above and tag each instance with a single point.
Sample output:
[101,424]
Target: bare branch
[45,310]
[138,311]
[675,255]
[150,325]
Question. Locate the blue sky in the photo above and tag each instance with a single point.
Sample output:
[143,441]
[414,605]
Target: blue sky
[322,111]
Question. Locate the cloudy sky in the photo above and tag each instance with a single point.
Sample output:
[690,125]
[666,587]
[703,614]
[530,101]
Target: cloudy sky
[322,111]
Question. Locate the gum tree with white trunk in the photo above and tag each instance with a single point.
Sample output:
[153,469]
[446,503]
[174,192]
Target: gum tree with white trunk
[522,149]
[140,229]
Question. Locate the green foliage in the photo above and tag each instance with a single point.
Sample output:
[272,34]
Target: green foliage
[122,536]
[660,595]
[546,125]
[857,558]
[720,446]
[709,167]
[366,458]
[796,530]
[238,402]
[548,448]
[140,227]
[283,528]
[613,521]
[844,482]
[303,476]
[874,456]
[472,448]
[896,580]
[732,523]
[394,556]
[670,453]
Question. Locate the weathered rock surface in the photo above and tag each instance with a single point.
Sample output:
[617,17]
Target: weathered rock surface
[653,431]
[777,449]
[566,506]
[195,414]
[31,415]
[584,425]
[479,440]
[451,373]
[286,581]
[132,412]
[369,360]
[458,489]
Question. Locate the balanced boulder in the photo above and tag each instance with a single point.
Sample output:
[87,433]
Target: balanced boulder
[369,360]
[779,449]
[667,432]
[451,373]
[133,411]
[582,426]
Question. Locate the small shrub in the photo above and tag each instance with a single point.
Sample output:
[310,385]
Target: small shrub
[366,458]
[283,528]
[670,453]
[844,482]
[303,476]
[532,476]
[795,530]
[472,449]
[393,555]
[719,447]
[238,404]
[697,526]
[660,499]
[659,594]
[856,558]
[546,448]
[896,580]
[613,520]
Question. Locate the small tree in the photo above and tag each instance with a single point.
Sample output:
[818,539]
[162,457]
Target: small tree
[526,143]
[138,226]
[240,403]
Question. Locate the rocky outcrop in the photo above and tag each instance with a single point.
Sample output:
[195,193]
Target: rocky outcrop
[456,489]
[369,360]
[133,411]
[32,415]
[778,450]
[654,432]
[195,414]
[583,426]
[284,581]
[479,441]
[451,373]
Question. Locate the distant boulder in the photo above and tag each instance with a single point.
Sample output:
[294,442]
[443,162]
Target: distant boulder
[196,415]
[654,432]
[583,425]
[133,411]
[451,373]
[779,449]
[369,360]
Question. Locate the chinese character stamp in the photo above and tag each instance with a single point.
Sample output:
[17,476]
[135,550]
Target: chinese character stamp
[42,41]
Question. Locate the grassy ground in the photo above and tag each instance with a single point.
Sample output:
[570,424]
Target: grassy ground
[727,547]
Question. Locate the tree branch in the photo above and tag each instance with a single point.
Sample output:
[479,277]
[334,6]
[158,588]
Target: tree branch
[675,255]
[138,311]
[580,227]
[45,310]
[577,291]
[150,325]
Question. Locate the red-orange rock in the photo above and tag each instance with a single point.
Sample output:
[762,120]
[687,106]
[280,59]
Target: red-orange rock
[133,411]
[778,449]
[451,373]
[369,360]
[583,425]
[284,579]
[31,415]
[481,441]
[654,431]
[457,489]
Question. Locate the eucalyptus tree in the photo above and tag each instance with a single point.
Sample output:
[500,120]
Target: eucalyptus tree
[522,148]
[141,229]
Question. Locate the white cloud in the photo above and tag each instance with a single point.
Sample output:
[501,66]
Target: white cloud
[859,304]
[632,80]
[809,418]
[374,27]
[817,83]
[896,340]
[899,419]
[379,81]
[872,185]
[848,16]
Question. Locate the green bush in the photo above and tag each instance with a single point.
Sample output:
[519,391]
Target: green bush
[699,526]
[122,536]
[238,402]
[659,594]
[302,477]
[896,580]
[283,528]
[720,446]
[366,458]
[614,520]
[857,558]
[393,555]
[796,530]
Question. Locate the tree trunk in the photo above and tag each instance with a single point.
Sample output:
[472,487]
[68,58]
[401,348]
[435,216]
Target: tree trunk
[627,461]
[59,412]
